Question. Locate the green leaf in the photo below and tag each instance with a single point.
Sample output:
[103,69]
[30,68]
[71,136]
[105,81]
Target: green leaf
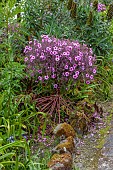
[7,155]
[14,144]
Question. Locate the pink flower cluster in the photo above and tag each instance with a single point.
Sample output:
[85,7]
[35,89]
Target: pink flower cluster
[101,7]
[59,60]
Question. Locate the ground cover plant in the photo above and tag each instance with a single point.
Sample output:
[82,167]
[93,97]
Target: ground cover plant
[51,71]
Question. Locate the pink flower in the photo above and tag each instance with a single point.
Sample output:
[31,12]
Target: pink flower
[49,40]
[55,48]
[59,49]
[91,77]
[77,73]
[53,69]
[53,76]
[43,40]
[66,74]
[75,76]
[42,57]
[37,54]
[40,78]
[87,82]
[69,48]
[70,58]
[30,42]
[44,36]
[80,54]
[48,48]
[87,75]
[57,58]
[91,51]
[26,59]
[46,77]
[74,66]
[94,71]
[90,57]
[39,45]
[54,52]
[64,53]
[90,64]
[51,52]
[32,57]
[40,71]
[66,67]
[71,69]
[77,58]
[83,68]
[55,86]
[30,48]
[79,63]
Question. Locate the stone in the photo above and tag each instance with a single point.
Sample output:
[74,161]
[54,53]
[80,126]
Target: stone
[66,145]
[61,162]
[64,129]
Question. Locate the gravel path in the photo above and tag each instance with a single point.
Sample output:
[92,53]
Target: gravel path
[106,159]
[95,152]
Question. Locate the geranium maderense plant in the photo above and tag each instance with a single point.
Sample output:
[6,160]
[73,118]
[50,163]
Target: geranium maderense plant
[58,62]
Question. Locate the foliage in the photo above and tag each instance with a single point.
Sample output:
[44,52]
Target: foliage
[104,78]
[25,133]
[47,17]
[86,26]
[39,162]
[17,116]
[90,28]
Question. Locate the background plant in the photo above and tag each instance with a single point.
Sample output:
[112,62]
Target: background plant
[15,106]
[90,28]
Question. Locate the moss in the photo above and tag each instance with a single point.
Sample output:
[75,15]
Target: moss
[80,123]
[63,160]
[103,132]
[64,129]
[66,146]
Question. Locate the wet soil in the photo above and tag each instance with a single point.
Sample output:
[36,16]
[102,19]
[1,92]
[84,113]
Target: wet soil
[95,150]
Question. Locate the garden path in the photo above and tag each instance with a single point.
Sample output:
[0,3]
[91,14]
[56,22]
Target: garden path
[106,160]
[96,151]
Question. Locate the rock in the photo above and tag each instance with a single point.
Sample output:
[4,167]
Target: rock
[80,123]
[66,145]
[64,129]
[62,158]
[60,162]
